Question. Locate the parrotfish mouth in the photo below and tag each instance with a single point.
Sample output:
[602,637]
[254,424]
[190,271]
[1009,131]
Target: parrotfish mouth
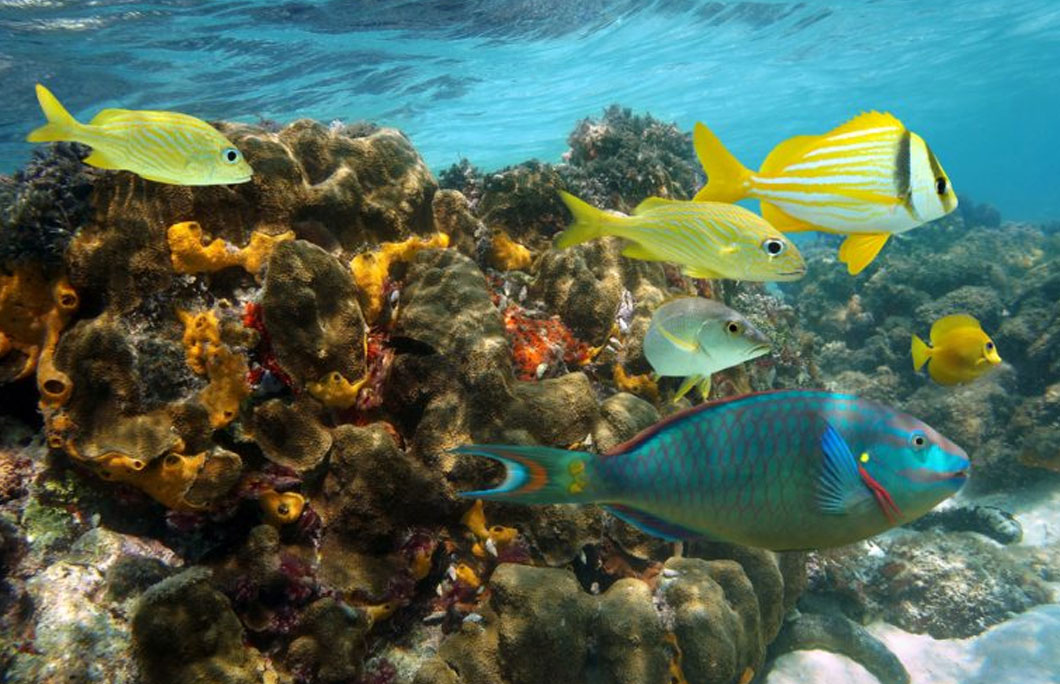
[924,475]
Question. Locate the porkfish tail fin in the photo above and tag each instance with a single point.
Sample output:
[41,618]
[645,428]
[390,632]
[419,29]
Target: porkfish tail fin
[537,475]
[61,124]
[589,222]
[921,353]
[727,179]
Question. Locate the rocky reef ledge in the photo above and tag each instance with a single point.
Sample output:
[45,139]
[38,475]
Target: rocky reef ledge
[227,410]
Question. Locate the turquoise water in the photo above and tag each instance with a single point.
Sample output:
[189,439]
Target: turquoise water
[499,82]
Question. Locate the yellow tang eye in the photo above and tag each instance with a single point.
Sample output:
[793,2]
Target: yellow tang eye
[230,155]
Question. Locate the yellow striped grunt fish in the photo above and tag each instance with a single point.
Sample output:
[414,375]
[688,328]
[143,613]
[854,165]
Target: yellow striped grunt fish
[165,147]
[708,239]
[868,179]
[693,337]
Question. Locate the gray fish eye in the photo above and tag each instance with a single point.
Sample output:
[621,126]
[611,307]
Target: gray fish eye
[230,155]
[773,246]
[733,327]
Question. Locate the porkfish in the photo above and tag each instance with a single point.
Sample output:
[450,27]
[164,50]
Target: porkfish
[782,470]
[868,179]
[693,337]
[960,351]
[166,147]
[707,239]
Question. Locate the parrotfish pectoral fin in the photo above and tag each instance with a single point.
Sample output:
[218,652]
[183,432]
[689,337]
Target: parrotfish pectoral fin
[686,386]
[537,475]
[657,527]
[921,353]
[634,251]
[61,124]
[727,179]
[783,221]
[858,251]
[840,484]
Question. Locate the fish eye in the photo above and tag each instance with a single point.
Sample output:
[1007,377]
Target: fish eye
[230,155]
[918,440]
[940,186]
[734,327]
[773,246]
[990,346]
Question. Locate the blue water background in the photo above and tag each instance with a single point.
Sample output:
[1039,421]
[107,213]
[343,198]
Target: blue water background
[500,82]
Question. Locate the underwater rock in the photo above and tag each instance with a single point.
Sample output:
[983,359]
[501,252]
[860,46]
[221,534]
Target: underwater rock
[629,633]
[290,434]
[583,285]
[329,645]
[991,521]
[453,216]
[184,631]
[622,416]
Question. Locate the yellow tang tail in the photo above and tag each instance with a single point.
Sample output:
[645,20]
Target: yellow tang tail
[589,222]
[61,124]
[727,179]
[921,353]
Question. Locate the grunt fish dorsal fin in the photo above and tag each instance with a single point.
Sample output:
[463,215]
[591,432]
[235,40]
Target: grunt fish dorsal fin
[652,203]
[948,324]
[654,526]
[864,121]
[107,115]
[785,222]
[786,153]
[840,484]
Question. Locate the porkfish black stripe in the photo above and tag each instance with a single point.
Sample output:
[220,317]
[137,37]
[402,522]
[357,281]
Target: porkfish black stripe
[903,172]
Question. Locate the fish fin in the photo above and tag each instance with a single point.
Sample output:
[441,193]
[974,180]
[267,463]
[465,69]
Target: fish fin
[786,153]
[633,250]
[864,121]
[704,387]
[783,221]
[537,474]
[727,179]
[107,115]
[652,203]
[589,222]
[100,160]
[646,522]
[883,497]
[678,342]
[948,324]
[921,353]
[686,386]
[859,249]
[701,272]
[61,124]
[840,483]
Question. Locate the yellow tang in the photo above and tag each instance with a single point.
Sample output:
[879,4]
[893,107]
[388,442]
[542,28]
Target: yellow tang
[708,239]
[960,351]
[868,179]
[166,147]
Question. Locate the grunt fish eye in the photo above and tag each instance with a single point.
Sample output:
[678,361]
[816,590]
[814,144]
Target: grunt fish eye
[918,440]
[773,246]
[940,186]
[230,155]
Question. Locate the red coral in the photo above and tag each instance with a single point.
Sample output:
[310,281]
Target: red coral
[263,360]
[541,340]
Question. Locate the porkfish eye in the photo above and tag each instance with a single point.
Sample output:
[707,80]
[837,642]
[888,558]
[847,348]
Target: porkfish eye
[230,155]
[773,247]
[941,185]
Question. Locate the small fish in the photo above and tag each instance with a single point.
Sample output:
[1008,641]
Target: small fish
[782,470]
[692,337]
[960,351]
[868,179]
[708,239]
[165,147]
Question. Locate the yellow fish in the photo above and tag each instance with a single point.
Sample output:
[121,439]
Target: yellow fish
[708,239]
[166,147]
[868,179]
[960,351]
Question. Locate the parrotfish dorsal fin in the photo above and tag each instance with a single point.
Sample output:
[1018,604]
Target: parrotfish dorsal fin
[651,203]
[107,115]
[787,153]
[948,324]
[652,525]
[866,120]
[840,484]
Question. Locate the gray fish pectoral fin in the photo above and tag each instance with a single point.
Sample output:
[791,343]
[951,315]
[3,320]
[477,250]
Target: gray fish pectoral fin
[686,386]
[840,486]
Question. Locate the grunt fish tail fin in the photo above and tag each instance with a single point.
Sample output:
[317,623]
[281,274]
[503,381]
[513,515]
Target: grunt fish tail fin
[61,124]
[727,179]
[921,353]
[589,222]
[538,475]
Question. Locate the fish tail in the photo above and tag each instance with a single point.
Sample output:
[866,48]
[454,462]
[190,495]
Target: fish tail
[537,475]
[61,124]
[727,179]
[589,222]
[921,353]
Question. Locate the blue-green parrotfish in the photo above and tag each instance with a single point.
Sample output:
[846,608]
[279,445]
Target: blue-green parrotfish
[781,470]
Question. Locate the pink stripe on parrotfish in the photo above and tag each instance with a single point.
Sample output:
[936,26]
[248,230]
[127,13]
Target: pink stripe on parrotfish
[790,469]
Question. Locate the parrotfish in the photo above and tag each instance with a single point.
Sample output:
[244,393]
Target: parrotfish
[867,179]
[708,239]
[960,351]
[166,147]
[692,337]
[781,470]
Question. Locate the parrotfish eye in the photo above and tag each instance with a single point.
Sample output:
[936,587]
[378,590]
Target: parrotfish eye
[230,155]
[773,246]
[918,440]
[940,185]
[734,327]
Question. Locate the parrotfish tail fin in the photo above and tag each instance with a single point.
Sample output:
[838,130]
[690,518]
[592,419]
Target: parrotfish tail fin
[61,125]
[537,475]
[727,179]
[921,353]
[589,222]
